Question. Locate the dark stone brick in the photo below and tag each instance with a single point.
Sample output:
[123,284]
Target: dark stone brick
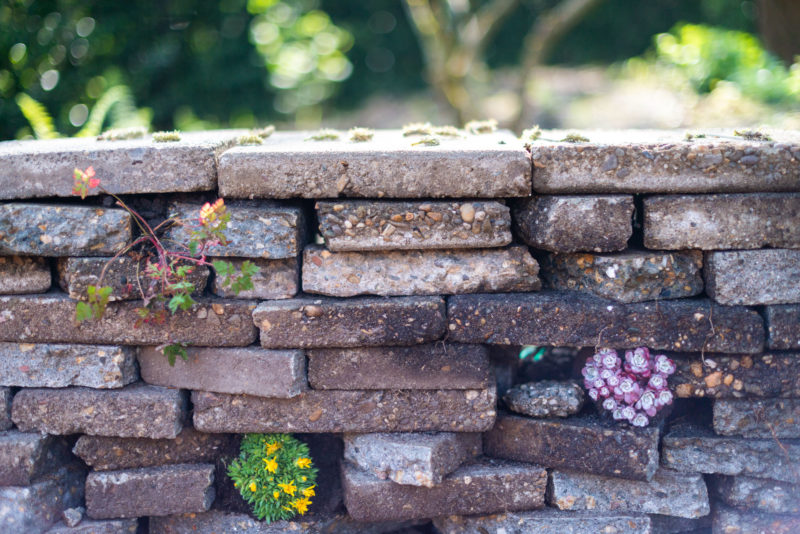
[546,398]
[753,277]
[764,418]
[24,274]
[546,520]
[5,408]
[34,508]
[89,526]
[757,494]
[667,524]
[25,457]
[783,326]
[721,376]
[731,521]
[275,279]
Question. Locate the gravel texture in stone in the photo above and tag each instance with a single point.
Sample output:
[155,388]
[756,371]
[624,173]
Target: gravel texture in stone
[758,418]
[91,526]
[546,520]
[275,279]
[24,457]
[24,274]
[721,376]
[757,494]
[732,521]
[35,508]
[783,327]
[753,277]
[548,398]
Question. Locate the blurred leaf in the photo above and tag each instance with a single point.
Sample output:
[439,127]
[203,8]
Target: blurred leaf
[38,117]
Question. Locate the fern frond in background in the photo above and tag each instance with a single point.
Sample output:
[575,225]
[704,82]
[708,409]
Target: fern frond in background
[38,117]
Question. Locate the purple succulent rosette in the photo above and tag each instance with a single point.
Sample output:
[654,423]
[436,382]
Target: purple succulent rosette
[634,390]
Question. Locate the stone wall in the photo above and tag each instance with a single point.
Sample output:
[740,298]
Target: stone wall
[397,285]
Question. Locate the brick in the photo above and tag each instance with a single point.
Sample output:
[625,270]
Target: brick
[103,453]
[546,398]
[723,377]
[718,222]
[573,319]
[572,224]
[731,521]
[433,272]
[34,508]
[484,487]
[62,230]
[286,166]
[584,443]
[361,322]
[256,229]
[753,277]
[415,459]
[348,411]
[435,366]
[58,366]
[137,410]
[248,370]
[153,491]
[783,327]
[546,520]
[89,526]
[763,418]
[5,408]
[25,457]
[697,450]
[31,169]
[51,319]
[23,274]
[642,161]
[627,276]
[275,279]
[123,275]
[667,493]
[757,494]
[366,225]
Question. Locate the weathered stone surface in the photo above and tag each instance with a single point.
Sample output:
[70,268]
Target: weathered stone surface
[484,487]
[366,225]
[348,411]
[75,275]
[5,408]
[720,376]
[627,276]
[767,418]
[136,411]
[718,222]
[570,318]
[434,366]
[62,230]
[248,370]
[255,230]
[416,459]
[667,524]
[697,450]
[275,279]
[361,322]
[667,493]
[753,277]
[189,447]
[432,272]
[731,521]
[22,274]
[34,508]
[572,224]
[583,443]
[652,161]
[73,516]
[154,491]
[388,166]
[546,520]
[25,457]
[759,494]
[51,319]
[58,366]
[89,526]
[548,398]
[783,327]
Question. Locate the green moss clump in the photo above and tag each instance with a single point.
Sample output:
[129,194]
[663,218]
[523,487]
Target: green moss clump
[481,127]
[447,131]
[531,134]
[250,139]
[324,134]
[417,128]
[264,132]
[752,135]
[575,138]
[360,135]
[120,134]
[426,141]
[166,137]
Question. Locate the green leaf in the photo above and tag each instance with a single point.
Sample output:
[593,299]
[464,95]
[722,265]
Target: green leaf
[181,301]
[249,268]
[194,246]
[173,350]
[83,312]
[38,117]
[223,268]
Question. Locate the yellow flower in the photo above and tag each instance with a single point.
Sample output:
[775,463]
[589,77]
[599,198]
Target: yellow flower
[304,463]
[304,478]
[309,492]
[276,494]
[289,488]
[252,487]
[301,505]
[272,447]
[271,466]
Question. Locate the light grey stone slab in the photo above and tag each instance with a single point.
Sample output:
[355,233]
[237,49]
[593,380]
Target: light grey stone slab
[757,494]
[545,520]
[275,279]
[758,418]
[732,521]
[24,274]
[753,277]
[91,526]
[546,398]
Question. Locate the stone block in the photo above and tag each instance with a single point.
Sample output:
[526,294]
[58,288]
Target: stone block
[89,526]
[667,524]
[57,366]
[415,459]
[150,491]
[484,487]
[577,223]
[389,166]
[753,277]
[247,370]
[275,279]
[51,319]
[35,508]
[651,161]
[361,322]
[585,443]
[546,520]
[6,396]
[348,411]
[62,230]
[762,418]
[123,275]
[431,272]
[574,319]
[732,521]
[548,398]
[719,222]
[255,230]
[73,516]
[25,457]
[367,225]
[136,411]
[783,327]
[757,494]
[667,493]
[24,274]
[695,449]
[723,377]
[103,453]
[434,366]
[627,276]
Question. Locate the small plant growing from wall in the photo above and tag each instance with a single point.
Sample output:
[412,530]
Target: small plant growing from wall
[274,473]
